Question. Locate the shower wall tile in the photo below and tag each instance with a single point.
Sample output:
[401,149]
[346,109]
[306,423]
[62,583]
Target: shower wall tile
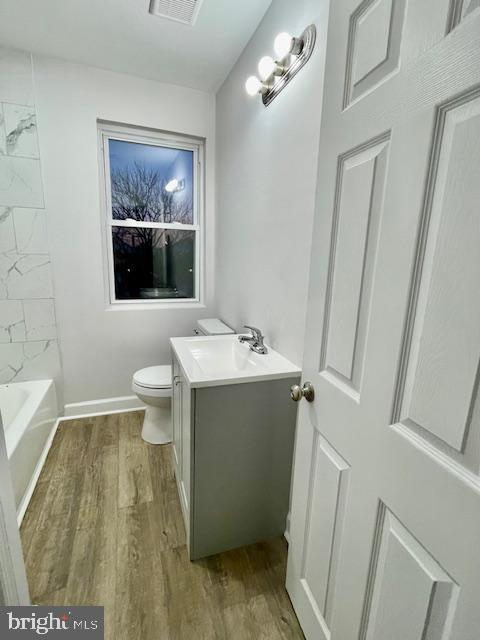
[25,276]
[39,357]
[3,138]
[20,130]
[11,359]
[28,345]
[20,182]
[30,231]
[12,321]
[29,361]
[27,320]
[7,230]
[5,265]
[16,83]
[39,318]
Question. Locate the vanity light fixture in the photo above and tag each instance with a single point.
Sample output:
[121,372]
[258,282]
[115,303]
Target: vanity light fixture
[285,44]
[254,86]
[267,67]
[292,53]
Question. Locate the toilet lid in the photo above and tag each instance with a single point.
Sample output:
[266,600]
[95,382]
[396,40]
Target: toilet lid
[214,326]
[159,377]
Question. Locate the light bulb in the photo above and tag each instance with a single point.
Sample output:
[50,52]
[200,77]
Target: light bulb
[252,85]
[172,185]
[283,44]
[266,67]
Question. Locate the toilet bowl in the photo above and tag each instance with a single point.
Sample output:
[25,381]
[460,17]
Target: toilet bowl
[153,386]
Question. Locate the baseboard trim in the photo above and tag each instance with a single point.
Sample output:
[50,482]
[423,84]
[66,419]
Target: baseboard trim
[27,496]
[102,407]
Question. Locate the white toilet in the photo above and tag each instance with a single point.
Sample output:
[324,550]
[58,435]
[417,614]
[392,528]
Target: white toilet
[153,385]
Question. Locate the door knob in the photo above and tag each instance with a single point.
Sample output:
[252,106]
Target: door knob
[297,392]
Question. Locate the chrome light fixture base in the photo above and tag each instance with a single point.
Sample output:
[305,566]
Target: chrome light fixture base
[305,45]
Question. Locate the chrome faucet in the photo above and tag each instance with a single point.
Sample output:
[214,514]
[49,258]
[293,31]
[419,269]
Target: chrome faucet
[255,340]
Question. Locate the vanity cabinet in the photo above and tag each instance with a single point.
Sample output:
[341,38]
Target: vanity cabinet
[232,455]
[181,423]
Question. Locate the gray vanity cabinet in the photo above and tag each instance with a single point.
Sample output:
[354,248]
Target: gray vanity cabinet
[181,423]
[232,453]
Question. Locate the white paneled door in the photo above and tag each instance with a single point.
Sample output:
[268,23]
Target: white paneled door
[385,532]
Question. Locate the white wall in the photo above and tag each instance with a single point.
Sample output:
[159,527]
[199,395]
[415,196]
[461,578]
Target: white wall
[28,335]
[101,348]
[266,174]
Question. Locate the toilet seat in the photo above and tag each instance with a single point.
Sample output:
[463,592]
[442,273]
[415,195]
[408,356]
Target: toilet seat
[158,377]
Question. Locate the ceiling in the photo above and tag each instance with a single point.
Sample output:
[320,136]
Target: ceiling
[121,35]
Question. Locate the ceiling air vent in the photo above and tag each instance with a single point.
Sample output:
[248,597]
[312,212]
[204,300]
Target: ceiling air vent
[185,11]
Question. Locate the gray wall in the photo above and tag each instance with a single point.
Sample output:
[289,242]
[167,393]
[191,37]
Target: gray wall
[266,174]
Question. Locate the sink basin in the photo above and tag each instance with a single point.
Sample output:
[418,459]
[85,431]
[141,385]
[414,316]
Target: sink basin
[214,356]
[220,360]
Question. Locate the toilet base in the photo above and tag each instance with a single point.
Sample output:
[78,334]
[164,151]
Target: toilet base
[157,425]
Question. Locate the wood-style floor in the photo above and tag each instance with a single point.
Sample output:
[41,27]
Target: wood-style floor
[104,527]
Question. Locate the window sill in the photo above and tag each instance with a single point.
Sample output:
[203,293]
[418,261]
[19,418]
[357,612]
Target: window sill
[155,306]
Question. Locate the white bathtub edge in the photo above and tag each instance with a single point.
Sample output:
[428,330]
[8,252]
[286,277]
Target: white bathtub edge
[27,496]
[102,407]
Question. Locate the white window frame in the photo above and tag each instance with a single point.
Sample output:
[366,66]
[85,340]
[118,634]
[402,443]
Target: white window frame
[106,132]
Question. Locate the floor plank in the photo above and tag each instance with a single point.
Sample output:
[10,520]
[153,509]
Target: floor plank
[134,478]
[104,526]
[50,543]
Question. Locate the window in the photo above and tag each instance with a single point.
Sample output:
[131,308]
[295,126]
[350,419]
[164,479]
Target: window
[153,187]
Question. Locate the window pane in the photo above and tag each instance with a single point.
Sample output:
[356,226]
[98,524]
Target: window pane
[153,263]
[151,183]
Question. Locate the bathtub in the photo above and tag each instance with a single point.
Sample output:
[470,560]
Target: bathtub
[29,415]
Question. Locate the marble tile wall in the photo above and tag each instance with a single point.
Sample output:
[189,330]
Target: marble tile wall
[28,335]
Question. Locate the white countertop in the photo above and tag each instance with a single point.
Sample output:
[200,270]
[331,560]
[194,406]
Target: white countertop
[209,361]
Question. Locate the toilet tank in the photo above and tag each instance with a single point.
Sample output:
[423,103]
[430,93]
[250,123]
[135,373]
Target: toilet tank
[212,327]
